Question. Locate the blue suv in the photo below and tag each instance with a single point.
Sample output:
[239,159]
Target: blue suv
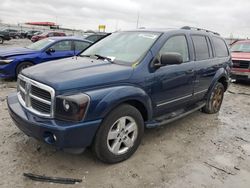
[14,60]
[127,82]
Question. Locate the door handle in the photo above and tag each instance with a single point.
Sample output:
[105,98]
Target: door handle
[191,71]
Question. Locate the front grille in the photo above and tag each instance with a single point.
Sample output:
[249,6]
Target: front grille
[241,64]
[39,106]
[35,96]
[40,93]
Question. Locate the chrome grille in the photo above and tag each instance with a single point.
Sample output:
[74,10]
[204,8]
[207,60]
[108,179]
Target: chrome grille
[36,97]
[40,93]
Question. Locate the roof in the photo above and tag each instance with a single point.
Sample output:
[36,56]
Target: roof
[186,29]
[69,38]
[41,23]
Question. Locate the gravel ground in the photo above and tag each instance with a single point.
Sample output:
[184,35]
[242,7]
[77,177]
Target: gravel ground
[199,150]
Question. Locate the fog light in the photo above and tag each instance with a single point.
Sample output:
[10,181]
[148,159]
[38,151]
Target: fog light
[49,138]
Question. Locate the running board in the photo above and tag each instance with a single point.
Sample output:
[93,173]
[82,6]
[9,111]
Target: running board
[170,117]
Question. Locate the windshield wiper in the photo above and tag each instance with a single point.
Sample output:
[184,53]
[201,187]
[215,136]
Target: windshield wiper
[103,57]
[236,51]
[98,57]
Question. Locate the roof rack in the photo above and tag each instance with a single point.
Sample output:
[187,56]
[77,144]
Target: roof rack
[199,29]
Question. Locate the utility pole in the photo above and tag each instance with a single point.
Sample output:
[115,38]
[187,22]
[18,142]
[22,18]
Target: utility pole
[137,22]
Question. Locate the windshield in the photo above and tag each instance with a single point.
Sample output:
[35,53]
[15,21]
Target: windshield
[39,45]
[123,47]
[241,47]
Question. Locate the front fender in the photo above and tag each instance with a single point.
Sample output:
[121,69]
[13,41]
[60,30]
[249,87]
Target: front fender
[105,100]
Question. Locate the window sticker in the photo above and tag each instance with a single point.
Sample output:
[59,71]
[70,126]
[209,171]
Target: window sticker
[149,36]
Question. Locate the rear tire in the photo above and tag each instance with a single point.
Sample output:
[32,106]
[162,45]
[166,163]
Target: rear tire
[22,66]
[119,135]
[214,99]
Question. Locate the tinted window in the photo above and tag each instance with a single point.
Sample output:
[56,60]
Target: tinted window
[220,47]
[92,38]
[62,46]
[200,47]
[177,44]
[79,45]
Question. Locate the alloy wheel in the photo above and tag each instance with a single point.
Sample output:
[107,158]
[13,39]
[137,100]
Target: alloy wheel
[217,98]
[122,135]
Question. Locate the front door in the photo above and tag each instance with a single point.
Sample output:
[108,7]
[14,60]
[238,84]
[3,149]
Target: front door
[61,49]
[173,83]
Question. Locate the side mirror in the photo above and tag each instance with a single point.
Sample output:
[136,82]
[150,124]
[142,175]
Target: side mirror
[50,50]
[170,59]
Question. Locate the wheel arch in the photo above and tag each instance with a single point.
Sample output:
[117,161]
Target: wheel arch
[20,62]
[131,95]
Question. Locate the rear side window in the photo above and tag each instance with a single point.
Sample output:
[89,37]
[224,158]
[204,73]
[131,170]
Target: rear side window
[62,46]
[177,44]
[201,47]
[79,45]
[220,47]
[92,38]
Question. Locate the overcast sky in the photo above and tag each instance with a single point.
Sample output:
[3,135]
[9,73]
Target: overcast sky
[225,16]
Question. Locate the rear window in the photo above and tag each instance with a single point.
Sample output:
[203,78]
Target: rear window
[201,47]
[220,47]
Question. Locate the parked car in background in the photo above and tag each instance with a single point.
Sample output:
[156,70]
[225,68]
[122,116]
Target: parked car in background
[46,35]
[122,84]
[4,36]
[241,60]
[94,37]
[13,60]
[13,33]
[22,34]
[30,34]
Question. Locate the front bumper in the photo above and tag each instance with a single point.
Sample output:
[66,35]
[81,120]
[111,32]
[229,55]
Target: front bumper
[61,134]
[238,73]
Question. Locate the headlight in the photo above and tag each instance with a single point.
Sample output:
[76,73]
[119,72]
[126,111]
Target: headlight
[5,61]
[72,107]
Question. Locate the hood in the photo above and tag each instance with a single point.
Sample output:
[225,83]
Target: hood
[15,51]
[80,73]
[240,55]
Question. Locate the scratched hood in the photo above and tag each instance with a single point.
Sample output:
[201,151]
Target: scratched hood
[80,73]
[4,53]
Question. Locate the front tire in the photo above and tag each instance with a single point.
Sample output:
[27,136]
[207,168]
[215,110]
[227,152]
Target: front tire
[22,66]
[214,99]
[1,40]
[119,135]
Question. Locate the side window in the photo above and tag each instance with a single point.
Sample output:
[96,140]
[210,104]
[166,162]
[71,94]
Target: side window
[200,47]
[79,45]
[62,46]
[92,38]
[177,44]
[220,47]
[210,47]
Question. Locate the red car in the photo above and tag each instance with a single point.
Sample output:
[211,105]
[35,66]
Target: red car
[241,60]
[46,35]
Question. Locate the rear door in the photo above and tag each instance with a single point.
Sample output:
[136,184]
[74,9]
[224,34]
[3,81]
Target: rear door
[174,83]
[208,59]
[62,49]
